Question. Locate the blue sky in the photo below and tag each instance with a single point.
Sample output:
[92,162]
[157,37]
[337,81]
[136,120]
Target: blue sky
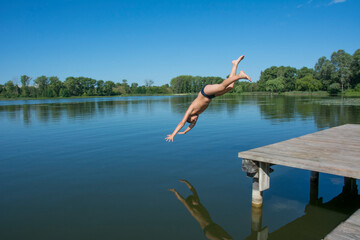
[158,40]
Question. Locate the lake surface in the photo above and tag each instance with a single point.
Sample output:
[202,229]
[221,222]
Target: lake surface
[99,168]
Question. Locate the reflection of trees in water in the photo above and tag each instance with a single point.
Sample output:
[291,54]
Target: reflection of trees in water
[179,104]
[55,111]
[47,112]
[43,113]
[273,108]
[278,108]
[228,103]
[12,112]
[75,110]
[27,114]
[55,115]
[331,116]
[281,108]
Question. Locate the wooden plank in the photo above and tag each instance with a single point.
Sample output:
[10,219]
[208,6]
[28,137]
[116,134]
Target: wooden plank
[313,150]
[264,176]
[339,136]
[311,165]
[327,144]
[310,152]
[353,132]
[308,157]
[344,231]
[314,139]
[350,229]
[335,151]
[355,218]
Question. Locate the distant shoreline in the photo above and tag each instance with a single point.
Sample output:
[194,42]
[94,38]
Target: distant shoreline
[292,93]
[74,97]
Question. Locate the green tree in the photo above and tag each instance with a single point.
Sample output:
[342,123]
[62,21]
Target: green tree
[355,68]
[133,88]
[324,70]
[118,89]
[125,86]
[55,86]
[86,86]
[42,84]
[100,87]
[304,71]
[108,88]
[181,84]
[287,74]
[64,92]
[25,81]
[308,83]
[334,88]
[275,85]
[357,87]
[165,89]
[266,75]
[342,63]
[32,91]
[11,90]
[72,86]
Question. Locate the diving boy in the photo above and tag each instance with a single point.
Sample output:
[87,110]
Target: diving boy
[207,93]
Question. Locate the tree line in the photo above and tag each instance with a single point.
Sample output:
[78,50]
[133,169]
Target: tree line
[339,73]
[44,86]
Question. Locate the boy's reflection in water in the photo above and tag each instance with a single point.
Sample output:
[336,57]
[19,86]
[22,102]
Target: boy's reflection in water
[192,203]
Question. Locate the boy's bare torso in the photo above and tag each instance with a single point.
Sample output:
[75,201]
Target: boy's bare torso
[199,104]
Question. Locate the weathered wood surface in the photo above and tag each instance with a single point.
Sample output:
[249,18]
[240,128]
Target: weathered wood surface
[334,151]
[264,176]
[350,229]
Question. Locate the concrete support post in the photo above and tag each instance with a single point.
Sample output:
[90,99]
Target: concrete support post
[257,199]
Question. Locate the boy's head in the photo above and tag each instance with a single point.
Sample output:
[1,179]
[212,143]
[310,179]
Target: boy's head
[192,118]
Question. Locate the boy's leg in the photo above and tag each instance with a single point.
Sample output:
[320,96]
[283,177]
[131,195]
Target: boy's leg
[219,89]
[235,64]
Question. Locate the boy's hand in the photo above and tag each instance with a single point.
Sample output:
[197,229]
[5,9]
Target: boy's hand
[169,138]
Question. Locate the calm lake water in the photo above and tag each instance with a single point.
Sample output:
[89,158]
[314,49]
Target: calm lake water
[99,168]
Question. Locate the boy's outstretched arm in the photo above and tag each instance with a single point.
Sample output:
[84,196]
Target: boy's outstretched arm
[179,126]
[189,127]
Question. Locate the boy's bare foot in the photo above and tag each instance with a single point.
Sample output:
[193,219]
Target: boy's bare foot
[238,60]
[243,75]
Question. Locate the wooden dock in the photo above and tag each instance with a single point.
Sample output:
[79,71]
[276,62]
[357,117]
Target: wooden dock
[334,151]
[350,229]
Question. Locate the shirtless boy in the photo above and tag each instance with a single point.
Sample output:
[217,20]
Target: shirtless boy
[204,97]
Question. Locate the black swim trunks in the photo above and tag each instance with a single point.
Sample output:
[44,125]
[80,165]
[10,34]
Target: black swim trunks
[205,95]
